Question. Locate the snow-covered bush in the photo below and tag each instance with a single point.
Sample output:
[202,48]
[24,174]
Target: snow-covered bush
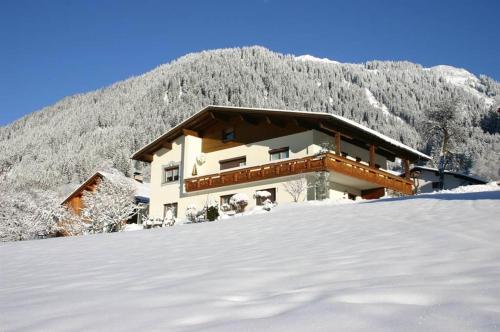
[212,210]
[192,213]
[27,215]
[108,207]
[262,196]
[239,202]
[268,205]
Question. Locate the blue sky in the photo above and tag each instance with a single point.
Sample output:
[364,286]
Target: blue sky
[50,49]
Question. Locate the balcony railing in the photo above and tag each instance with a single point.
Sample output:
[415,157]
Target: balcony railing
[324,162]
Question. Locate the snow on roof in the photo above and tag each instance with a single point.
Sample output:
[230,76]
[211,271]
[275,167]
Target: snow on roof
[142,188]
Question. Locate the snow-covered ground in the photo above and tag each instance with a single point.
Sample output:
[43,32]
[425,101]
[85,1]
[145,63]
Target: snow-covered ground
[429,263]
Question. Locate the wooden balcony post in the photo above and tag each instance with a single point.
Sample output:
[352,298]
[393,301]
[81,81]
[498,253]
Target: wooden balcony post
[337,143]
[372,156]
[406,166]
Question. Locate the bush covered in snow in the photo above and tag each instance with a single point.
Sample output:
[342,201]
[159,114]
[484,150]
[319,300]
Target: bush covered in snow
[268,205]
[192,213]
[212,213]
[27,215]
[239,202]
[109,206]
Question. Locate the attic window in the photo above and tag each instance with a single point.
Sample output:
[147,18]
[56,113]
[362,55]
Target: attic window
[228,135]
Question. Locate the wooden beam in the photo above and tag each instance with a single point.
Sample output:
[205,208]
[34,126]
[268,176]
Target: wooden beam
[303,124]
[219,116]
[337,143]
[406,167]
[325,127]
[188,132]
[372,155]
[248,119]
[274,121]
[166,145]
[331,130]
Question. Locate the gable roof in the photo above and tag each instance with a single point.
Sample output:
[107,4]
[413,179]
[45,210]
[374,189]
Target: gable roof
[315,120]
[470,178]
[142,189]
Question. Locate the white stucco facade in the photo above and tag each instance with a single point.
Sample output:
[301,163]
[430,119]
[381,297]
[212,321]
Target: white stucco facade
[186,152]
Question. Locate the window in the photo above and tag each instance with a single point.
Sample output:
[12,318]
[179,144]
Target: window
[259,200]
[172,207]
[228,135]
[225,199]
[280,153]
[171,174]
[233,162]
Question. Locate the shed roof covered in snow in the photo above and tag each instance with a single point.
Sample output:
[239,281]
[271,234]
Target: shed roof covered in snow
[325,122]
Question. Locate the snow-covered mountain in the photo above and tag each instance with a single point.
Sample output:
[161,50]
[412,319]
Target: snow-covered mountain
[418,264]
[66,142]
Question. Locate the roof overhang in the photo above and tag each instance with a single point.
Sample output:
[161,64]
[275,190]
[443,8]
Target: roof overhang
[325,122]
[84,186]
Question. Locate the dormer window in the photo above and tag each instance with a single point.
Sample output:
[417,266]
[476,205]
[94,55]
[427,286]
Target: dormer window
[228,135]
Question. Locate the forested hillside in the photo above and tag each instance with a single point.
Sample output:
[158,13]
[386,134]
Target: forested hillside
[64,143]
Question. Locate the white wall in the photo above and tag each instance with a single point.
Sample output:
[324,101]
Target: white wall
[256,153]
[186,149]
[168,192]
[428,177]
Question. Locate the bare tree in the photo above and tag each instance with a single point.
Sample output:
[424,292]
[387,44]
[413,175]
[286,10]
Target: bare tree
[295,188]
[443,125]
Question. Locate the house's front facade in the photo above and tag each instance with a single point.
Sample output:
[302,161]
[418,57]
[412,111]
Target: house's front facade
[221,151]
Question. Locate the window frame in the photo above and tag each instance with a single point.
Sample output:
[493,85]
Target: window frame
[232,163]
[175,178]
[260,202]
[228,132]
[279,152]
[169,205]
[223,197]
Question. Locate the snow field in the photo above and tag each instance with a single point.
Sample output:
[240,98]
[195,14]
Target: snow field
[424,263]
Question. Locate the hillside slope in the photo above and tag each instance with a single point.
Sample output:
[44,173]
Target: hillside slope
[417,264]
[64,143]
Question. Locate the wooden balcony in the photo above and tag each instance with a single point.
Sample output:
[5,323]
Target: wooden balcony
[324,162]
